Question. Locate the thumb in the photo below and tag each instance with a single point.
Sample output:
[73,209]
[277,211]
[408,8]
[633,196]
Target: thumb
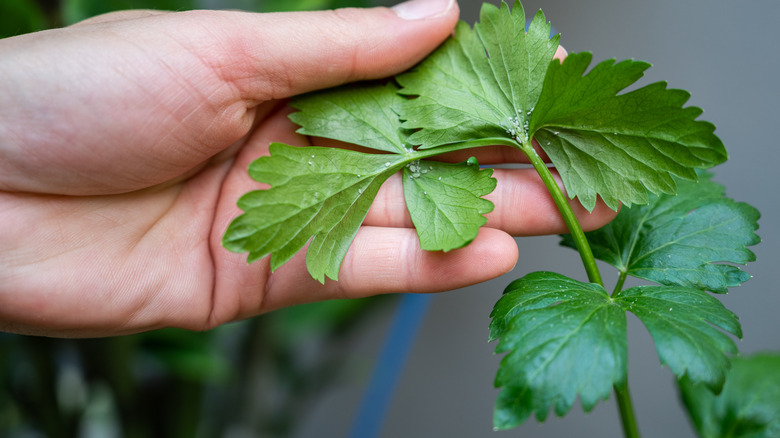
[284,54]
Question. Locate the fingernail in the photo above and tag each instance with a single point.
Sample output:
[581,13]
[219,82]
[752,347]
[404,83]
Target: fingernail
[421,9]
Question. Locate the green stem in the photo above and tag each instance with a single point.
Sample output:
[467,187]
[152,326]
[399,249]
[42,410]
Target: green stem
[492,141]
[619,285]
[626,409]
[627,417]
[580,241]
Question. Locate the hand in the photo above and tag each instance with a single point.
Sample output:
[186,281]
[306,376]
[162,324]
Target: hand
[124,143]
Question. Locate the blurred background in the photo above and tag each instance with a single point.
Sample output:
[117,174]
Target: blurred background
[303,372]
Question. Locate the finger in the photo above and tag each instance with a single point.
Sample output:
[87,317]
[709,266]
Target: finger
[273,56]
[523,206]
[151,97]
[389,260]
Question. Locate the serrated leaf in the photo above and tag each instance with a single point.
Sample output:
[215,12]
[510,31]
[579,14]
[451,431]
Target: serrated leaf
[479,80]
[684,324]
[360,114]
[445,202]
[748,406]
[618,145]
[498,81]
[322,193]
[681,240]
[320,196]
[564,338]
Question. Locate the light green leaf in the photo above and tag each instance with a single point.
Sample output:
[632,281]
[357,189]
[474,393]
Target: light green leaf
[684,324]
[480,83]
[320,196]
[322,193]
[358,114]
[564,338]
[681,240]
[618,145]
[445,202]
[748,406]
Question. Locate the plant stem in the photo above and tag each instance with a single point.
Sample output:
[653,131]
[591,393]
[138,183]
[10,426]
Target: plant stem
[580,241]
[619,285]
[626,409]
[625,405]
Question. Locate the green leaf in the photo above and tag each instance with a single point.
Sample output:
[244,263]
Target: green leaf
[498,81]
[684,325]
[480,83]
[358,114]
[322,193]
[445,202]
[618,145]
[320,196]
[681,240]
[564,338]
[748,406]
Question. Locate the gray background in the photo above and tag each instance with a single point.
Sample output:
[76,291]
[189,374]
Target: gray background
[726,54]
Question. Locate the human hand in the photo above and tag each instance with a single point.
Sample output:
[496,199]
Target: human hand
[124,143]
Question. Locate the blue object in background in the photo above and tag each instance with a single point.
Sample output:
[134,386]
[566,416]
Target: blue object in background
[389,365]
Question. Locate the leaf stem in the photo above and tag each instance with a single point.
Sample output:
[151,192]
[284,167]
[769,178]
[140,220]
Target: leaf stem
[470,144]
[580,241]
[626,408]
[619,285]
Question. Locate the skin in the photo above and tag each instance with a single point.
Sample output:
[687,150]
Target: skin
[124,143]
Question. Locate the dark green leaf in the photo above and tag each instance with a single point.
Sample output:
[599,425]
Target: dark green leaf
[681,240]
[684,324]
[564,338]
[445,202]
[480,83]
[618,145]
[748,406]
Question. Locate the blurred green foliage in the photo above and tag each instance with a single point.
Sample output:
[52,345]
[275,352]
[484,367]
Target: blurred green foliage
[255,376]
[20,16]
[23,16]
